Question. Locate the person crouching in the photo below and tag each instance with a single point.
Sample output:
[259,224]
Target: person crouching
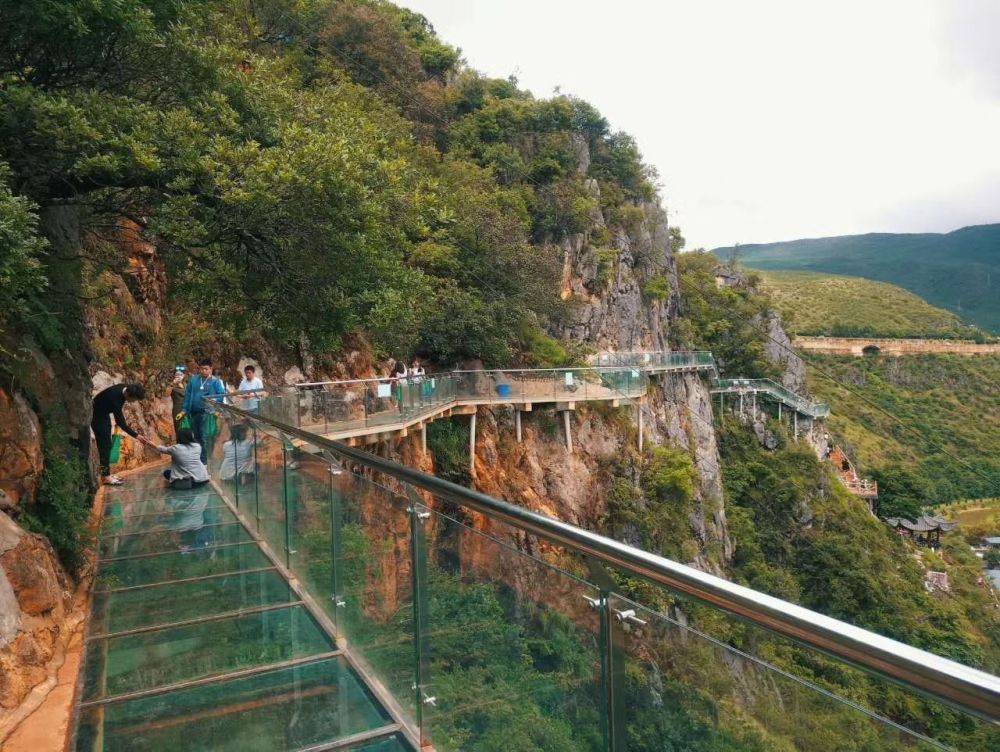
[186,468]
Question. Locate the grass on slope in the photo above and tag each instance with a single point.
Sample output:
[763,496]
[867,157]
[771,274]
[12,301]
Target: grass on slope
[812,303]
[950,403]
[959,270]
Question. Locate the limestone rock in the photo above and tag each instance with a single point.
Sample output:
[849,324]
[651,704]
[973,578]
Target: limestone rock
[20,451]
[778,348]
[34,603]
[34,574]
[10,612]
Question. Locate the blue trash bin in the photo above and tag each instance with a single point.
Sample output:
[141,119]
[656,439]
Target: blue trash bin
[503,391]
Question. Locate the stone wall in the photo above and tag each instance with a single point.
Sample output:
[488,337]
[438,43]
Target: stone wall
[856,346]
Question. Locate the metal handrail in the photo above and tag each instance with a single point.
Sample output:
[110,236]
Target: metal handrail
[959,686]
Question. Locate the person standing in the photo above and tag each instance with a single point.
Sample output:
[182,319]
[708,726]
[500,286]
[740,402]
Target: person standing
[203,384]
[399,382]
[253,388]
[110,402]
[177,396]
[417,377]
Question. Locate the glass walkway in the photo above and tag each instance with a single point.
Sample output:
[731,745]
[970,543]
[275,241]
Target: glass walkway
[198,641]
[316,597]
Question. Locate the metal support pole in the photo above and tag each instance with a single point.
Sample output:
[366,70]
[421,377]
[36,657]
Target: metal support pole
[517,424]
[337,583]
[418,575]
[569,435]
[753,403]
[419,583]
[256,479]
[423,439]
[284,488]
[795,420]
[779,411]
[472,444]
[741,403]
[638,410]
[612,641]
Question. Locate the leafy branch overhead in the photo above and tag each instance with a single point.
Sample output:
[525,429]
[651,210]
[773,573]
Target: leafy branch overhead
[323,166]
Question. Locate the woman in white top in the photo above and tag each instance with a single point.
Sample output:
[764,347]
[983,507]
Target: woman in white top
[237,454]
[186,468]
[417,377]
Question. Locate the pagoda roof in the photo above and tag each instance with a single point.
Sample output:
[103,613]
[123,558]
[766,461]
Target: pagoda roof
[923,524]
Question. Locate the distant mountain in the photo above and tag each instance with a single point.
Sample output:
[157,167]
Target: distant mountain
[958,271]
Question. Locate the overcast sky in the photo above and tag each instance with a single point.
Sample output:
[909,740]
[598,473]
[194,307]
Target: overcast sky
[772,119]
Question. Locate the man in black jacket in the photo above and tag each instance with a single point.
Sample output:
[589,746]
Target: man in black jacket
[107,403]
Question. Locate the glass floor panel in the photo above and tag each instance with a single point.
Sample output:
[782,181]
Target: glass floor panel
[285,709]
[181,518]
[146,660]
[172,501]
[173,539]
[118,611]
[392,743]
[179,566]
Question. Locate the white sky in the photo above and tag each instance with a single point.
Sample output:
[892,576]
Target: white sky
[772,119]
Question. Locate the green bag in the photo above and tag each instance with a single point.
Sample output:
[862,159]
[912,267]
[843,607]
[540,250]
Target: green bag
[185,422]
[210,426]
[116,449]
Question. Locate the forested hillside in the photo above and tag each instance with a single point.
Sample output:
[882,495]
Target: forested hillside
[833,305]
[958,271]
[924,426]
[296,179]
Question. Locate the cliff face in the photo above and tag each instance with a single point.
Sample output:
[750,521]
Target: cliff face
[623,296]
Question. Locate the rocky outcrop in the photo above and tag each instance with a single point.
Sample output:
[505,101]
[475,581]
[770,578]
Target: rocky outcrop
[20,451]
[681,411]
[778,348]
[35,599]
[605,276]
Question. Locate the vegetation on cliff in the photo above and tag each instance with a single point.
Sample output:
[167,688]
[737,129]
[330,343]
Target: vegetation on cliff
[310,169]
[924,425]
[828,304]
[291,176]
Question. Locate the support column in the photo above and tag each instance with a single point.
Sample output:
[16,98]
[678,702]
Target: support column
[779,411]
[638,410]
[517,424]
[753,403]
[741,403]
[472,444]
[795,422]
[423,439]
[569,434]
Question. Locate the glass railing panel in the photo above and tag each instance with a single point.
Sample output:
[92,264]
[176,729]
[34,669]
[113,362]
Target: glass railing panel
[157,605]
[234,465]
[176,654]
[373,592]
[689,688]
[511,649]
[310,489]
[274,455]
[300,707]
